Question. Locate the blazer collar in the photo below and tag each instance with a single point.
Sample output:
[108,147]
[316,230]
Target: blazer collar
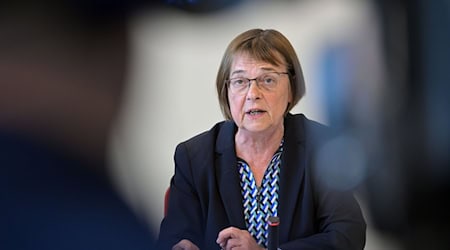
[291,172]
[228,176]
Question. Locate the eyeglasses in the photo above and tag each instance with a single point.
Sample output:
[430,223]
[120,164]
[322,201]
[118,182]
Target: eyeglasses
[266,82]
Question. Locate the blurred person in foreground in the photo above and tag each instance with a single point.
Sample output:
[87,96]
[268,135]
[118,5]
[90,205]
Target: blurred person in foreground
[62,69]
[260,162]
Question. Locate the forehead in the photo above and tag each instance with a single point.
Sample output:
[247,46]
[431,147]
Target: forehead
[243,62]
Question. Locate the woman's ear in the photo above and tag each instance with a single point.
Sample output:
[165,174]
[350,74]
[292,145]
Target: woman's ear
[287,109]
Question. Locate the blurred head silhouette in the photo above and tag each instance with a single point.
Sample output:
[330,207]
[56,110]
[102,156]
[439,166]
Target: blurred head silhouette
[62,71]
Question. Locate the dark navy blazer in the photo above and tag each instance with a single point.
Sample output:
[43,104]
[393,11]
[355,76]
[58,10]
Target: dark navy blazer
[205,193]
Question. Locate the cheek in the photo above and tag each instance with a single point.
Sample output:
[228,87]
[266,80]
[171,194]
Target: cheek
[236,104]
[281,102]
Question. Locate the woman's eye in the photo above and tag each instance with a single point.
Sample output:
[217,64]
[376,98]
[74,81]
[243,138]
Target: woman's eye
[269,80]
[238,82]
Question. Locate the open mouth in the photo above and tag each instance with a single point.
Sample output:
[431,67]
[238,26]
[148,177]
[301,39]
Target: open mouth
[255,112]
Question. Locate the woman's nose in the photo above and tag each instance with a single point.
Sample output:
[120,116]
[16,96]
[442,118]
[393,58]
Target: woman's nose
[253,91]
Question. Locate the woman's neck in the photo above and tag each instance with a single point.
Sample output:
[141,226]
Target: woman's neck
[258,144]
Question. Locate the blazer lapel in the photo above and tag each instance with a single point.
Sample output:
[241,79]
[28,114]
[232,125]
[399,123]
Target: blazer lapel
[291,173]
[228,176]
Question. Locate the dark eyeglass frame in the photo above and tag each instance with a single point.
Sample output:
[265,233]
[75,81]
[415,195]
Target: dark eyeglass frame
[258,80]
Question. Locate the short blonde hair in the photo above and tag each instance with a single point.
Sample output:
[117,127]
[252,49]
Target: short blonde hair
[265,45]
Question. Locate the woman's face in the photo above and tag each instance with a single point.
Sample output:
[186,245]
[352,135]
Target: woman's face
[258,110]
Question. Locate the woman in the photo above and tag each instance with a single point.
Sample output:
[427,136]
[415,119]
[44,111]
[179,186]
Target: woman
[260,162]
